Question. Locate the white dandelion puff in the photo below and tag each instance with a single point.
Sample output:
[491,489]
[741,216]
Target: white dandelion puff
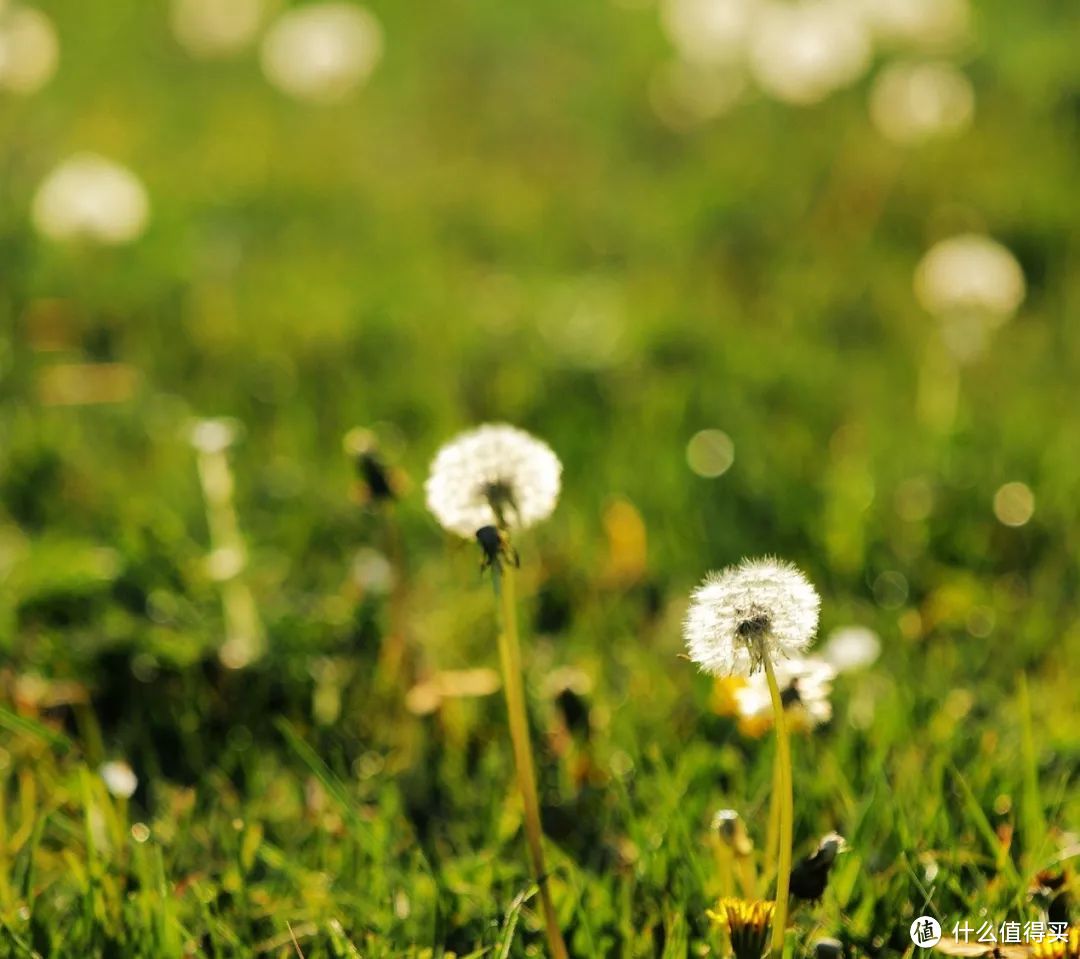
[737,617]
[805,685]
[708,31]
[851,648]
[216,28]
[213,436]
[800,53]
[91,198]
[912,102]
[920,24]
[494,469]
[119,778]
[970,274]
[29,50]
[322,52]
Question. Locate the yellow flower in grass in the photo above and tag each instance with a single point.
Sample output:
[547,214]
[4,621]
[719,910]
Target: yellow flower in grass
[1057,949]
[725,700]
[747,922]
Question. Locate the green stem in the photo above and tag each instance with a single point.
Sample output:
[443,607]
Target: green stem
[514,687]
[772,835]
[787,813]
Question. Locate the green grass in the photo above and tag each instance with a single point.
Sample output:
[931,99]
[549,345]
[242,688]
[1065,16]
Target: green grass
[498,228]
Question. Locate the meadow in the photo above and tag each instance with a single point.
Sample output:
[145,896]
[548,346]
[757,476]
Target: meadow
[248,707]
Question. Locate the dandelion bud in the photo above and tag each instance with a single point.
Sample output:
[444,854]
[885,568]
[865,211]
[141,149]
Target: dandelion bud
[828,949]
[729,826]
[378,483]
[811,875]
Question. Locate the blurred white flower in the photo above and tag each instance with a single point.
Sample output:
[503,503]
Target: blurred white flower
[89,197]
[322,51]
[970,275]
[919,24]
[213,435]
[850,648]
[216,28]
[801,52]
[805,685]
[708,32]
[493,464]
[119,778]
[737,617]
[912,102]
[372,571]
[684,95]
[29,50]
[225,563]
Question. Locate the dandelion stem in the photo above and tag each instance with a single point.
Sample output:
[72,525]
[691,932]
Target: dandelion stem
[514,687]
[772,835]
[787,813]
[392,655]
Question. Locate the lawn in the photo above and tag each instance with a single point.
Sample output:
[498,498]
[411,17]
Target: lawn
[250,707]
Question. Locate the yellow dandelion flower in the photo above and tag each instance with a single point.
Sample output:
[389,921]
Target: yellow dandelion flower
[1057,948]
[747,922]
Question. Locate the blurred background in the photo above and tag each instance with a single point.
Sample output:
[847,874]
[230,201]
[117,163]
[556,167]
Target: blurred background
[771,276]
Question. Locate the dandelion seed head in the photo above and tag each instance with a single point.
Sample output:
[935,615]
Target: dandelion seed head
[970,275]
[802,52]
[119,778]
[215,28]
[708,31]
[29,50]
[91,198]
[497,464]
[321,52]
[913,102]
[213,435]
[920,24]
[759,607]
[851,647]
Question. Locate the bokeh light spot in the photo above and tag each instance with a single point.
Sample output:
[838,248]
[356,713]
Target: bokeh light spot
[710,453]
[1014,504]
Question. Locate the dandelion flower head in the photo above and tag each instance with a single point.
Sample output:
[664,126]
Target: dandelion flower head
[29,49]
[913,101]
[213,435]
[89,197]
[737,617]
[216,28]
[747,922]
[802,52]
[322,52]
[851,648]
[972,274]
[495,475]
[119,778]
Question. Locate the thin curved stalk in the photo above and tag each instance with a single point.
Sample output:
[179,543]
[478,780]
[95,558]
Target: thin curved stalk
[514,687]
[787,813]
